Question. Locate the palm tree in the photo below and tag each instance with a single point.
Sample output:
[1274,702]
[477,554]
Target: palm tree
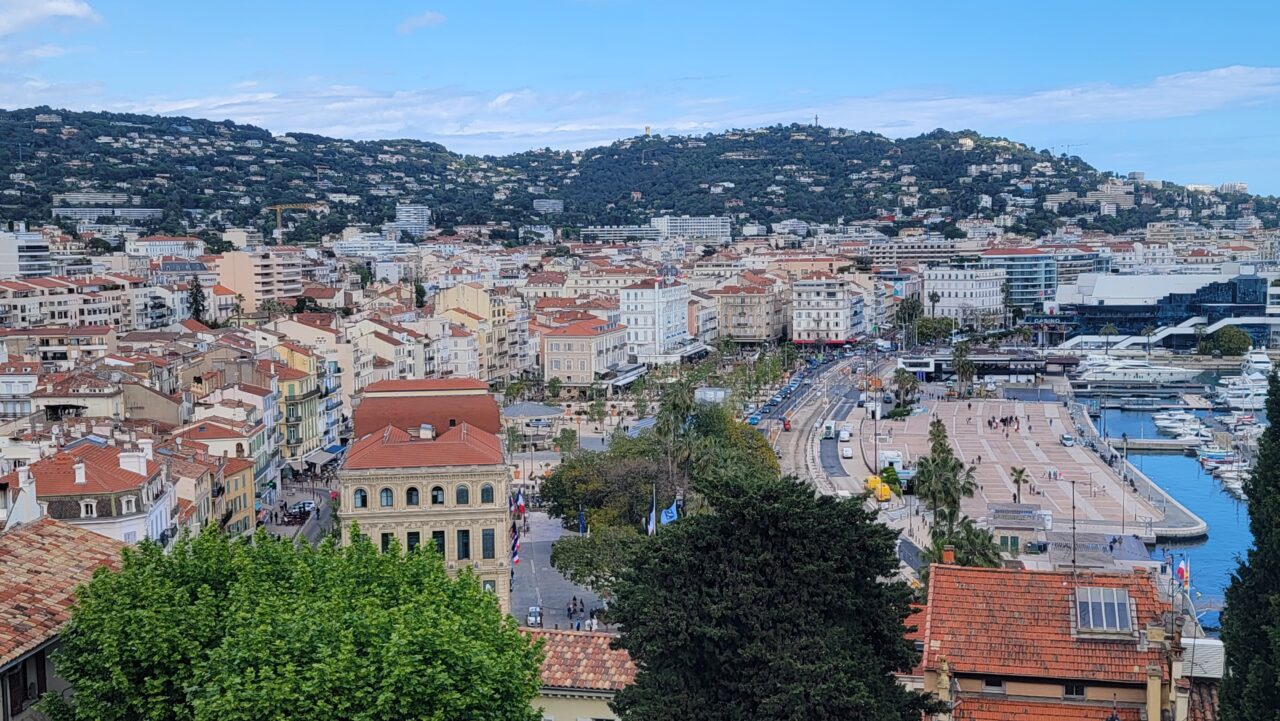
[1148,332]
[1109,330]
[938,443]
[906,383]
[975,546]
[934,299]
[1018,476]
[964,368]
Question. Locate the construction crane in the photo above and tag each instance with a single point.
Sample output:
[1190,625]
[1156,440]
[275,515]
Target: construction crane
[280,208]
[1053,148]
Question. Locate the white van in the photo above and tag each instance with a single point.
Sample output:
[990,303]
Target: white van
[846,452]
[845,436]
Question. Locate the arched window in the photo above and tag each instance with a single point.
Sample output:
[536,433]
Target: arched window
[462,496]
[411,496]
[486,493]
[361,498]
[437,496]
[386,498]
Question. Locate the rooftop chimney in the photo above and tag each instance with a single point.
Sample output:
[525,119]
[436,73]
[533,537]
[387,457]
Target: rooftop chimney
[79,466]
[147,445]
[134,461]
[427,432]
[949,555]
[24,477]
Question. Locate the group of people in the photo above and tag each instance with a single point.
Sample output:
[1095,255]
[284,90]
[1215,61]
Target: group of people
[1007,424]
[580,619]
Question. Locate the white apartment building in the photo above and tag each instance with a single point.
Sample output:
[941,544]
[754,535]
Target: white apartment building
[159,246]
[710,227]
[413,219]
[966,295]
[24,254]
[823,310]
[619,233]
[370,245]
[656,314]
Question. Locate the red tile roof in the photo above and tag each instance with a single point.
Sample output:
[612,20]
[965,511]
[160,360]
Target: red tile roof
[41,565]
[974,708]
[426,384]
[56,475]
[394,448]
[1014,622]
[583,660]
[442,412]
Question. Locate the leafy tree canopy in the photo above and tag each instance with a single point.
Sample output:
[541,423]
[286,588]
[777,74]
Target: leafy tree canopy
[234,631]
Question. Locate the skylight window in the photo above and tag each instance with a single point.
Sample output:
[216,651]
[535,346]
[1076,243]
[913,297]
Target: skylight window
[1103,609]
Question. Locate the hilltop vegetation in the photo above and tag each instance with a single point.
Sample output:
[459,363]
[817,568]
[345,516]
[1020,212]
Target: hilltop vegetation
[228,172]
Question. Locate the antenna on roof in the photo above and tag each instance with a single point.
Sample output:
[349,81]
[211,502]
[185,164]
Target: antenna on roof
[1073,525]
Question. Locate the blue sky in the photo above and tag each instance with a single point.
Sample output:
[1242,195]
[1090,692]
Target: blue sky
[1176,89]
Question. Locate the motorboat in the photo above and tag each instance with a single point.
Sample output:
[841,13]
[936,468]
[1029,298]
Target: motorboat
[1246,392]
[1215,454]
[1256,361]
[1099,369]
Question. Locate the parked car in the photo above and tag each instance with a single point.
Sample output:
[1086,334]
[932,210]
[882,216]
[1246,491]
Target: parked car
[303,507]
[754,420]
[786,424]
[533,619]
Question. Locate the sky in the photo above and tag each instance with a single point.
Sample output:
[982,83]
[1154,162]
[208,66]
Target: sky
[1180,90]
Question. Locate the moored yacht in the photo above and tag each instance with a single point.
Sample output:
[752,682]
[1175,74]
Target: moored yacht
[1100,369]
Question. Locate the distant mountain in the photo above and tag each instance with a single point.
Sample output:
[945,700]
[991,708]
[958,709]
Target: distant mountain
[230,172]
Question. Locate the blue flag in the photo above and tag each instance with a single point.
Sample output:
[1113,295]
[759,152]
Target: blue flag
[582,523]
[670,514]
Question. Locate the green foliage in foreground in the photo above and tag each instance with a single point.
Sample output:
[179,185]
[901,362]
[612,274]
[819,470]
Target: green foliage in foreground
[233,631]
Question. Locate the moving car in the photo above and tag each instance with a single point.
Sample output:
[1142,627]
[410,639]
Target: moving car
[533,619]
[303,507]
[846,452]
[754,420]
[786,424]
[1068,440]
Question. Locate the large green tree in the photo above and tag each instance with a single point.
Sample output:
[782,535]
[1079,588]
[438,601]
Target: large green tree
[196,303]
[1250,628]
[1226,341]
[775,605]
[234,631]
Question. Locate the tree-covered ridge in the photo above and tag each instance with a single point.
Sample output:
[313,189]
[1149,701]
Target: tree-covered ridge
[230,171]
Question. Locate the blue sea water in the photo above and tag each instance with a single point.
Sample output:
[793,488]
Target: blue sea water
[1213,559]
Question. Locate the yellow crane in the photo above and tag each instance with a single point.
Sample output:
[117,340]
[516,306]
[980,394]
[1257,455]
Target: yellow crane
[280,208]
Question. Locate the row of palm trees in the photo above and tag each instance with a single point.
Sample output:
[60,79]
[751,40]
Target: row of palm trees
[942,481]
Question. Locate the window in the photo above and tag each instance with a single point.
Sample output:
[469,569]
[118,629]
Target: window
[361,499]
[464,545]
[1103,609]
[88,509]
[411,497]
[486,543]
[130,536]
[555,364]
[386,542]
[462,496]
[437,496]
[486,493]
[130,504]
[437,539]
[413,540]
[490,585]
[1073,690]
[386,498]
[992,685]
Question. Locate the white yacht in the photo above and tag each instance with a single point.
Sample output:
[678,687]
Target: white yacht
[1256,361]
[1100,369]
[1244,393]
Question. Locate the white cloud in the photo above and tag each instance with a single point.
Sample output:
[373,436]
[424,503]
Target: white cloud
[17,15]
[427,19]
[491,122]
[45,51]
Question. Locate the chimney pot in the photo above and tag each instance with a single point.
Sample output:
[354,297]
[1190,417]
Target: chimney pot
[949,555]
[79,468]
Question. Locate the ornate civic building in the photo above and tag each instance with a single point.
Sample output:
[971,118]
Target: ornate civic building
[449,490]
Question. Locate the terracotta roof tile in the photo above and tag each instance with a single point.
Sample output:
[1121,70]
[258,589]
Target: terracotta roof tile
[394,448]
[583,660]
[56,475]
[1014,622]
[973,708]
[41,565]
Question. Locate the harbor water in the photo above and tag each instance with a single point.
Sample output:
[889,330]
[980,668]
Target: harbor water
[1211,560]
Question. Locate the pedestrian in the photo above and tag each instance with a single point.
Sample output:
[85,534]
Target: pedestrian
[578,625]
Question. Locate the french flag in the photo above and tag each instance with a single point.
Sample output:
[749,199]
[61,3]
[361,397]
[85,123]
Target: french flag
[520,502]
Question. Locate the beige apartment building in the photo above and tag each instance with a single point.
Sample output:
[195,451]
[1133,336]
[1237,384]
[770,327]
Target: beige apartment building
[750,313]
[447,487]
[584,352]
[262,274]
[484,313]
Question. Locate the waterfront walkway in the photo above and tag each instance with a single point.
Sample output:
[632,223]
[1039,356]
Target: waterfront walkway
[1104,503]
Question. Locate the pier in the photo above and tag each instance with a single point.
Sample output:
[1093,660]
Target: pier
[1152,445]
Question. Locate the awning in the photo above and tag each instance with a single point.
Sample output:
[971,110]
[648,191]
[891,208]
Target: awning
[318,457]
[335,449]
[628,375]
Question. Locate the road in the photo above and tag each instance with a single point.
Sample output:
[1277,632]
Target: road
[536,583]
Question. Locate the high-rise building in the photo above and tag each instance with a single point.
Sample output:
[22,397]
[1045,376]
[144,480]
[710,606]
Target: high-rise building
[710,227]
[969,296]
[24,254]
[413,219]
[1031,274]
[823,310]
[656,314]
[262,274]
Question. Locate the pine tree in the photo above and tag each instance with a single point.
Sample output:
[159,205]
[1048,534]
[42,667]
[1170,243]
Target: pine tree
[195,300]
[775,605]
[1250,630]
